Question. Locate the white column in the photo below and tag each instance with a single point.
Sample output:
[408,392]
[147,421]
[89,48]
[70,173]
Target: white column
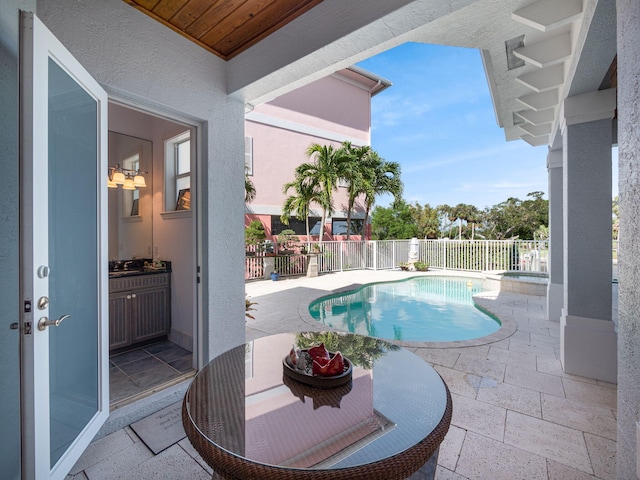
[628,32]
[555,288]
[587,333]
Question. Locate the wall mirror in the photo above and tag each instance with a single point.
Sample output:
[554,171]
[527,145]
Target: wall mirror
[130,209]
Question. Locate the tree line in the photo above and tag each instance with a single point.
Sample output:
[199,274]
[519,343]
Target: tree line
[514,218]
[366,175]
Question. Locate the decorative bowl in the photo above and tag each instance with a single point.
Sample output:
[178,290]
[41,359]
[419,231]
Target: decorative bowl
[318,381]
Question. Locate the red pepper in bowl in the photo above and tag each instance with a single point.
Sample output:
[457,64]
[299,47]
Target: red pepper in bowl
[331,368]
[319,353]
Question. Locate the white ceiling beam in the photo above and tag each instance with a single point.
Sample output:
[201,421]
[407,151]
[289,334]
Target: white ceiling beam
[544,79]
[548,52]
[540,101]
[538,118]
[536,141]
[589,107]
[546,15]
[536,130]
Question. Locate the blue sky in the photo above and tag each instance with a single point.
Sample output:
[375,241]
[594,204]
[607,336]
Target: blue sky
[438,122]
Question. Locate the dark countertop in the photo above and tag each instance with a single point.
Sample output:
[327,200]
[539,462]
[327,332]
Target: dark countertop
[135,267]
[133,273]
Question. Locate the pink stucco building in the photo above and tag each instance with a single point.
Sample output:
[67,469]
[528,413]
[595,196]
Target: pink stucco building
[331,110]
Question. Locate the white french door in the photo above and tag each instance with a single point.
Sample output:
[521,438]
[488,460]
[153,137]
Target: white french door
[63,205]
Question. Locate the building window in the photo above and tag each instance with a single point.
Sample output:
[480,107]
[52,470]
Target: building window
[339,226]
[298,226]
[248,155]
[178,153]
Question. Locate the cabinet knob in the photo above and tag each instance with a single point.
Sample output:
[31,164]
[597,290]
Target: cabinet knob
[128,297]
[133,295]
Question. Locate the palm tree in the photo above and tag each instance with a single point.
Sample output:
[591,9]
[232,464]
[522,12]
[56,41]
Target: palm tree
[249,189]
[299,202]
[379,176]
[445,211]
[460,211]
[354,169]
[321,176]
[474,217]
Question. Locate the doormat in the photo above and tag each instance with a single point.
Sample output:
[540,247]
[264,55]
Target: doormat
[162,429]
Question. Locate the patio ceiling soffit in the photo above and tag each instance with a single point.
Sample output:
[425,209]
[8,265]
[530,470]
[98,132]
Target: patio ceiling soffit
[225,28]
[557,22]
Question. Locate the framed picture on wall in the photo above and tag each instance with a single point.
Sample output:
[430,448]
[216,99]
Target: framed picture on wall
[184,199]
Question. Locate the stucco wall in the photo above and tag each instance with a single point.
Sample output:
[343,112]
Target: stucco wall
[9,266]
[276,154]
[629,253]
[327,111]
[138,59]
[332,103]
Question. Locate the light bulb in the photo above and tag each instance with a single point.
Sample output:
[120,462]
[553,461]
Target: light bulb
[118,178]
[128,184]
[138,181]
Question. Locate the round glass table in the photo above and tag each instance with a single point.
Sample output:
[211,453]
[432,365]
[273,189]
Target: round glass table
[250,421]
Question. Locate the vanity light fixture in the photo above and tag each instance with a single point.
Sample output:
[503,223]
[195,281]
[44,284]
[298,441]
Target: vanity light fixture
[127,178]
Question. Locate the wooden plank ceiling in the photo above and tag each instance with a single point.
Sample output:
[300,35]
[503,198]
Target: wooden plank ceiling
[224,27]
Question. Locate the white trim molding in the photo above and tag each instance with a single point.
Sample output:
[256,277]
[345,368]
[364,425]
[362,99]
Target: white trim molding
[588,107]
[302,128]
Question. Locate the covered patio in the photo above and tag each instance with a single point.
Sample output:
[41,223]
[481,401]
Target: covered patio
[563,74]
[516,413]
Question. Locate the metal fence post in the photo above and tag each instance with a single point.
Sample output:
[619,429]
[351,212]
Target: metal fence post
[375,255]
[445,254]
[486,254]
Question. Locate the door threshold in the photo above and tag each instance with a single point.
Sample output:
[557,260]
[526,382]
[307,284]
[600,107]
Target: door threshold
[155,389]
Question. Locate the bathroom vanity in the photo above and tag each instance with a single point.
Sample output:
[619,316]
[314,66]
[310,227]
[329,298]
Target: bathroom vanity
[139,304]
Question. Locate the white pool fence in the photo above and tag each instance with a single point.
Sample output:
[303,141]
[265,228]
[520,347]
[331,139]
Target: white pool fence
[469,255]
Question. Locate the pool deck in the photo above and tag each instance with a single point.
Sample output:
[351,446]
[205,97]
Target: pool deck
[516,414]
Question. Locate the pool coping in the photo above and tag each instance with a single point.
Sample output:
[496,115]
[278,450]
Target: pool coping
[483,300]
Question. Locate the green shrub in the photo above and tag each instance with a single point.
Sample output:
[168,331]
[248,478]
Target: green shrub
[421,266]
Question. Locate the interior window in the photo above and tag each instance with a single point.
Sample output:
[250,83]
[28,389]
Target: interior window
[178,172]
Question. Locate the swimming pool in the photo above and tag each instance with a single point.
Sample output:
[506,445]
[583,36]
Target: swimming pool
[421,309]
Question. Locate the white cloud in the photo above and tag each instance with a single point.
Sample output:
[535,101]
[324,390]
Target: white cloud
[487,154]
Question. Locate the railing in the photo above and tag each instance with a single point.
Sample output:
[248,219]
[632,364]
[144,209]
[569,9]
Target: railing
[471,255]
[291,265]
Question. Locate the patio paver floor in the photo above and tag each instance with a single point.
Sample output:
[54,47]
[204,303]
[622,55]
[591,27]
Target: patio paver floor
[516,415]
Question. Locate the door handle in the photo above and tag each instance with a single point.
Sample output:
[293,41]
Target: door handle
[44,322]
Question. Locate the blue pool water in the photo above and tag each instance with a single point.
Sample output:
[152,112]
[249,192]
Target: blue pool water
[420,309]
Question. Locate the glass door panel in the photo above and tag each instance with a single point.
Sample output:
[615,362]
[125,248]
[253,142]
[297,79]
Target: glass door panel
[73,259]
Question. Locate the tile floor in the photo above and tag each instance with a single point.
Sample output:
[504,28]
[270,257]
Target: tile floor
[516,414]
[141,369]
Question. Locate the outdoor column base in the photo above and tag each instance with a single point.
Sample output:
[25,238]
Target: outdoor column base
[269,267]
[555,301]
[588,347]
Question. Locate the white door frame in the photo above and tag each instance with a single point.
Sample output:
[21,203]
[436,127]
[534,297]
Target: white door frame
[117,97]
[38,45]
